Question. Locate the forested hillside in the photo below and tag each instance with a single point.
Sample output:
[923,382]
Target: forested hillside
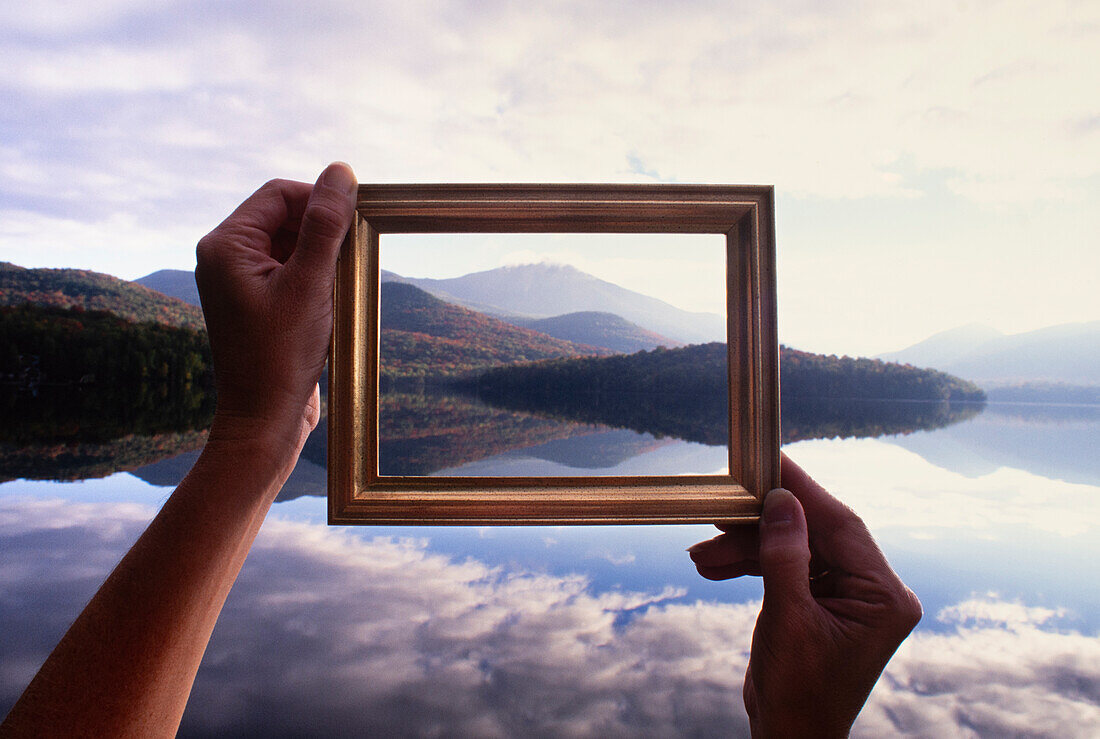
[423,336]
[700,370]
[806,375]
[94,291]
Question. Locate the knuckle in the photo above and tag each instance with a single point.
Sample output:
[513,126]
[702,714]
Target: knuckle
[273,184]
[323,218]
[905,610]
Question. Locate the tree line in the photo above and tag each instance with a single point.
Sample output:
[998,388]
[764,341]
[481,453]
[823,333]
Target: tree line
[701,371]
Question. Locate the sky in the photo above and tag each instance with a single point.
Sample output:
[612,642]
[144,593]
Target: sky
[935,163]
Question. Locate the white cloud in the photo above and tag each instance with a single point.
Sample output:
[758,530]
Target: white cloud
[175,112]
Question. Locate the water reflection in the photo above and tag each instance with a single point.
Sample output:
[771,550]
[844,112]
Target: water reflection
[1055,441]
[74,434]
[332,633]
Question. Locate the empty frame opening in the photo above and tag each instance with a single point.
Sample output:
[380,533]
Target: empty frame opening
[553,355]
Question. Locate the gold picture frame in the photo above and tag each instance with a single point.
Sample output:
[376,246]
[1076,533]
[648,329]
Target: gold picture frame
[357,494]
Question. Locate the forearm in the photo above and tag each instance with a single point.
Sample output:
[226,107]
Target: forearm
[127,663]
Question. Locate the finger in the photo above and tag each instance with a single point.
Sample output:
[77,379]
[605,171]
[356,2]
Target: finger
[727,549]
[729,572]
[279,204]
[784,553]
[325,222]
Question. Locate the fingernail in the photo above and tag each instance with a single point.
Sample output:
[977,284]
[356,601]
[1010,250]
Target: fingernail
[338,176]
[695,548]
[779,507]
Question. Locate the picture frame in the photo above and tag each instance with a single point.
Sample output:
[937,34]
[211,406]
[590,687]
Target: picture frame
[358,494]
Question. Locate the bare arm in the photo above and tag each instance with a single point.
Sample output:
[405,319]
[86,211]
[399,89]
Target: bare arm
[126,665]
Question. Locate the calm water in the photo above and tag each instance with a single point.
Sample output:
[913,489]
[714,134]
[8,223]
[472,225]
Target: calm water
[994,520]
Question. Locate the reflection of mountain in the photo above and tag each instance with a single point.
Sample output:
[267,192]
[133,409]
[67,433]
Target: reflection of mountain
[308,478]
[544,290]
[77,460]
[598,451]
[1057,442]
[703,420]
[419,434]
[425,336]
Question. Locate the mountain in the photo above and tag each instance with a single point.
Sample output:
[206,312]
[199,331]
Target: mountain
[940,350]
[1068,353]
[598,329]
[175,283]
[425,336]
[67,288]
[546,290]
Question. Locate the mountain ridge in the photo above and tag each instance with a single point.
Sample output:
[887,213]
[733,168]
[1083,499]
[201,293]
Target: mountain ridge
[598,328]
[1067,353]
[95,291]
[423,336]
[548,290]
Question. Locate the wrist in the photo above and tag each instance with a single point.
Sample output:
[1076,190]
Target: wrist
[274,440]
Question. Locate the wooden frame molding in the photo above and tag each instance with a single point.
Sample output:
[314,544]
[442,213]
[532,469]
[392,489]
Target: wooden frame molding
[744,214]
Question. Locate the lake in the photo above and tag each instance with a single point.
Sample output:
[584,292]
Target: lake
[991,514]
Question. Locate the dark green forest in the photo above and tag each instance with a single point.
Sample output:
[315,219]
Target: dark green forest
[73,373]
[701,371]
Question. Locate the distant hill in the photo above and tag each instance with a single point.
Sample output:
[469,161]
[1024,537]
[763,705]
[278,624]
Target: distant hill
[547,290]
[598,329]
[65,288]
[424,336]
[175,283]
[1068,353]
[940,350]
[700,370]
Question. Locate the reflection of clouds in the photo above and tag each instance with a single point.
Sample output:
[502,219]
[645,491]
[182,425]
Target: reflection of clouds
[891,487]
[998,674]
[327,634]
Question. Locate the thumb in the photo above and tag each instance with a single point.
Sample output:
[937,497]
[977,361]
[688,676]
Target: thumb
[325,222]
[784,552]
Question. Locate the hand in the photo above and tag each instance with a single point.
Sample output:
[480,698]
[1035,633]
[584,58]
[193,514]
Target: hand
[834,611]
[265,276]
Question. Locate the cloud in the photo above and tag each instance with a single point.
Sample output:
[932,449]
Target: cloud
[1002,676]
[963,130]
[329,633]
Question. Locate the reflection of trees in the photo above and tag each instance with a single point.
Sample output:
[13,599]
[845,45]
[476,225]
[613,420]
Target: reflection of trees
[828,418]
[704,419]
[419,434]
[101,412]
[689,417]
[70,433]
[78,460]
